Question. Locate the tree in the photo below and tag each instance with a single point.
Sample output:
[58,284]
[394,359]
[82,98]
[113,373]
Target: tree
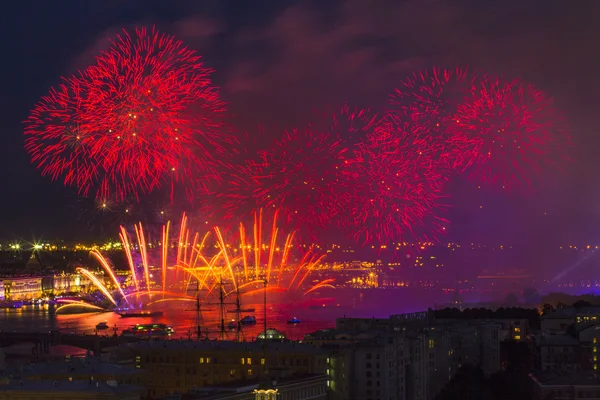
[582,304]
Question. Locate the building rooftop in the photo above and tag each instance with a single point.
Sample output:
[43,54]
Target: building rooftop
[558,340]
[553,378]
[66,386]
[89,365]
[223,345]
[571,312]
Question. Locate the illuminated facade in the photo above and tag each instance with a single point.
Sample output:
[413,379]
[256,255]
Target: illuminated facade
[35,287]
[22,288]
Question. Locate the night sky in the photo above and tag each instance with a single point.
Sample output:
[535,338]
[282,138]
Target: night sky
[276,61]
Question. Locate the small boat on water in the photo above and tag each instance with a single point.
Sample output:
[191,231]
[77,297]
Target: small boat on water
[244,310]
[149,330]
[102,326]
[294,321]
[248,320]
[140,314]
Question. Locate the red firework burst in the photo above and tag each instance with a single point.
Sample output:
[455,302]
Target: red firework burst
[56,142]
[421,105]
[303,168]
[517,135]
[393,190]
[145,115]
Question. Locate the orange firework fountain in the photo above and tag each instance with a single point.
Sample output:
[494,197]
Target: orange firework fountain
[208,261]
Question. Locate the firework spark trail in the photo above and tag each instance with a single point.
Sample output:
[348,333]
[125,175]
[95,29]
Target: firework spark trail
[108,270]
[257,242]
[272,246]
[243,246]
[139,231]
[228,263]
[98,284]
[79,304]
[198,252]
[165,252]
[181,242]
[284,257]
[127,247]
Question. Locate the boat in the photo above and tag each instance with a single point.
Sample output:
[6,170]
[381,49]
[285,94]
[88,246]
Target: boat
[102,326]
[244,310]
[149,330]
[140,314]
[294,321]
[248,320]
[232,325]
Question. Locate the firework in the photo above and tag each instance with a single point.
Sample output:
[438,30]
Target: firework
[517,136]
[235,195]
[394,189]
[303,168]
[143,116]
[420,107]
[164,270]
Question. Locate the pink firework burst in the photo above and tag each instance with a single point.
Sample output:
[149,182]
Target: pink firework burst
[393,189]
[518,137]
[421,105]
[303,168]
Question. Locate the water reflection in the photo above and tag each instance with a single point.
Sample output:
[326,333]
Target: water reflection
[181,317]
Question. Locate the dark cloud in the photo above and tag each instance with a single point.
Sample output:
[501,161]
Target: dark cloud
[308,55]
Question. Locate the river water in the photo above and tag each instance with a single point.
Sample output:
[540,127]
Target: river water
[182,318]
[314,314]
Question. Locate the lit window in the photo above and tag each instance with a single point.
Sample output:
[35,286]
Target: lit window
[243,361]
[595,366]
[517,337]
[248,361]
[595,358]
[262,361]
[249,372]
[595,340]
[431,344]
[595,349]
[208,360]
[201,360]
[517,329]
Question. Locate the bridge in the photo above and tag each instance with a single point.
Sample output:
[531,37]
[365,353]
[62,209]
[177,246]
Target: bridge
[43,340]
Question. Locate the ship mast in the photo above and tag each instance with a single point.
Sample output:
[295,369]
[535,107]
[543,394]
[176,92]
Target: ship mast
[238,316]
[198,313]
[222,307]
